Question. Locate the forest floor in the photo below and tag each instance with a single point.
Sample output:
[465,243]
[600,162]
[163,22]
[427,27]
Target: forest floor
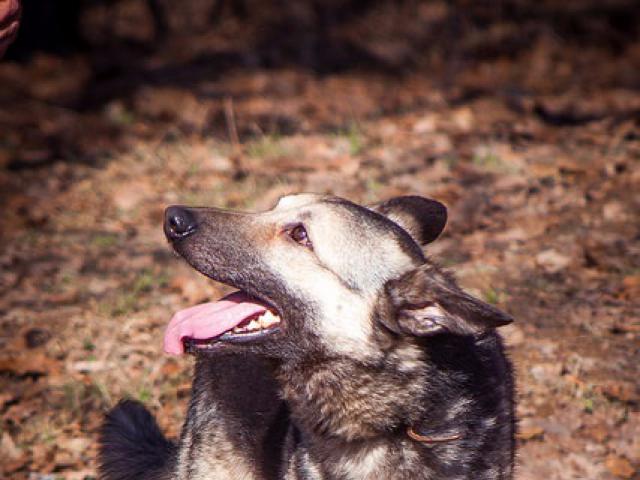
[528,132]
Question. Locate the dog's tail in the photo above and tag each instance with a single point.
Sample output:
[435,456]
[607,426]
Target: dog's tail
[132,445]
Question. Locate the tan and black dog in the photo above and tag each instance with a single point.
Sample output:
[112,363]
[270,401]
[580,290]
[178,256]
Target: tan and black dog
[345,354]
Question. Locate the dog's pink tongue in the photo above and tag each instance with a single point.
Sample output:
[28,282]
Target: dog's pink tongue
[209,320]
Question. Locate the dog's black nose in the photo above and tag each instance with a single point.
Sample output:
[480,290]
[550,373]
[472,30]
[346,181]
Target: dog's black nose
[178,222]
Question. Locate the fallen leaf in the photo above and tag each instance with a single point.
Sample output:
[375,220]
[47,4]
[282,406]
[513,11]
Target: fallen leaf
[599,433]
[619,390]
[170,368]
[13,457]
[76,445]
[530,432]
[630,287]
[29,362]
[463,118]
[552,261]
[614,211]
[192,289]
[620,466]
[8,447]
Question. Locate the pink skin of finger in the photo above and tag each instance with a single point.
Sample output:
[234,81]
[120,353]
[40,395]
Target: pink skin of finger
[9,22]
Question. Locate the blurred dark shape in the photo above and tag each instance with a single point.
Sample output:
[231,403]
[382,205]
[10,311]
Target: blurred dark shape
[304,32]
[238,8]
[36,337]
[561,118]
[56,26]
[47,25]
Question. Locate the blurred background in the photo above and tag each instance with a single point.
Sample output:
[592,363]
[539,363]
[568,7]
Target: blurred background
[523,116]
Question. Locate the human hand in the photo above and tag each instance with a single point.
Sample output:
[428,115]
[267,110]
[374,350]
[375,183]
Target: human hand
[9,21]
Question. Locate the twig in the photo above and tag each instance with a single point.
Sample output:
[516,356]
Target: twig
[230,118]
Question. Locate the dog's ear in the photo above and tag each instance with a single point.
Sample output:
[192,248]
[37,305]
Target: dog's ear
[427,301]
[423,218]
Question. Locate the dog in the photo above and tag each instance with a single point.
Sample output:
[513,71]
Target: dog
[345,353]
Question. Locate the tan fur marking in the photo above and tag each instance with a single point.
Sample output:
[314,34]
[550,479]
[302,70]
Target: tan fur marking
[367,464]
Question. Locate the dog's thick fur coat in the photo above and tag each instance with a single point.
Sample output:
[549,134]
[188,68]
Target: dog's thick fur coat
[382,368]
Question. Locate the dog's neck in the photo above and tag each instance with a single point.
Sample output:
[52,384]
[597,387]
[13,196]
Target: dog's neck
[339,399]
[350,419]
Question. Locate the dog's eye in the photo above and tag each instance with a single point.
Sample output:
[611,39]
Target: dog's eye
[299,235]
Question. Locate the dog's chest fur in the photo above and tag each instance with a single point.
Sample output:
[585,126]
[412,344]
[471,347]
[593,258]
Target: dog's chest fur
[349,421]
[365,461]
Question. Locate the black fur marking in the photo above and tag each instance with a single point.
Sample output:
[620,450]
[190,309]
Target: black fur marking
[422,217]
[132,445]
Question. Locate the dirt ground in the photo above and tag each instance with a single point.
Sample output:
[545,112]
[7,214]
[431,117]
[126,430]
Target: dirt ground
[524,118]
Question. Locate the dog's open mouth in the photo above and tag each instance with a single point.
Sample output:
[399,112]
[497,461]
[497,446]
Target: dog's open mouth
[236,318]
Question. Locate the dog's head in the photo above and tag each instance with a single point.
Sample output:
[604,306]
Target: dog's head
[319,274]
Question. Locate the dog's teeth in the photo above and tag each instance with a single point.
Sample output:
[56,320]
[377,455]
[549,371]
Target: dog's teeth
[265,320]
[253,325]
[268,318]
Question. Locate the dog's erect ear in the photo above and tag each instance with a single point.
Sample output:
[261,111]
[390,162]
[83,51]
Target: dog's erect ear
[427,301]
[423,218]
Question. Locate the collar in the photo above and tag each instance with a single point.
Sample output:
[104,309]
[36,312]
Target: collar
[430,439]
